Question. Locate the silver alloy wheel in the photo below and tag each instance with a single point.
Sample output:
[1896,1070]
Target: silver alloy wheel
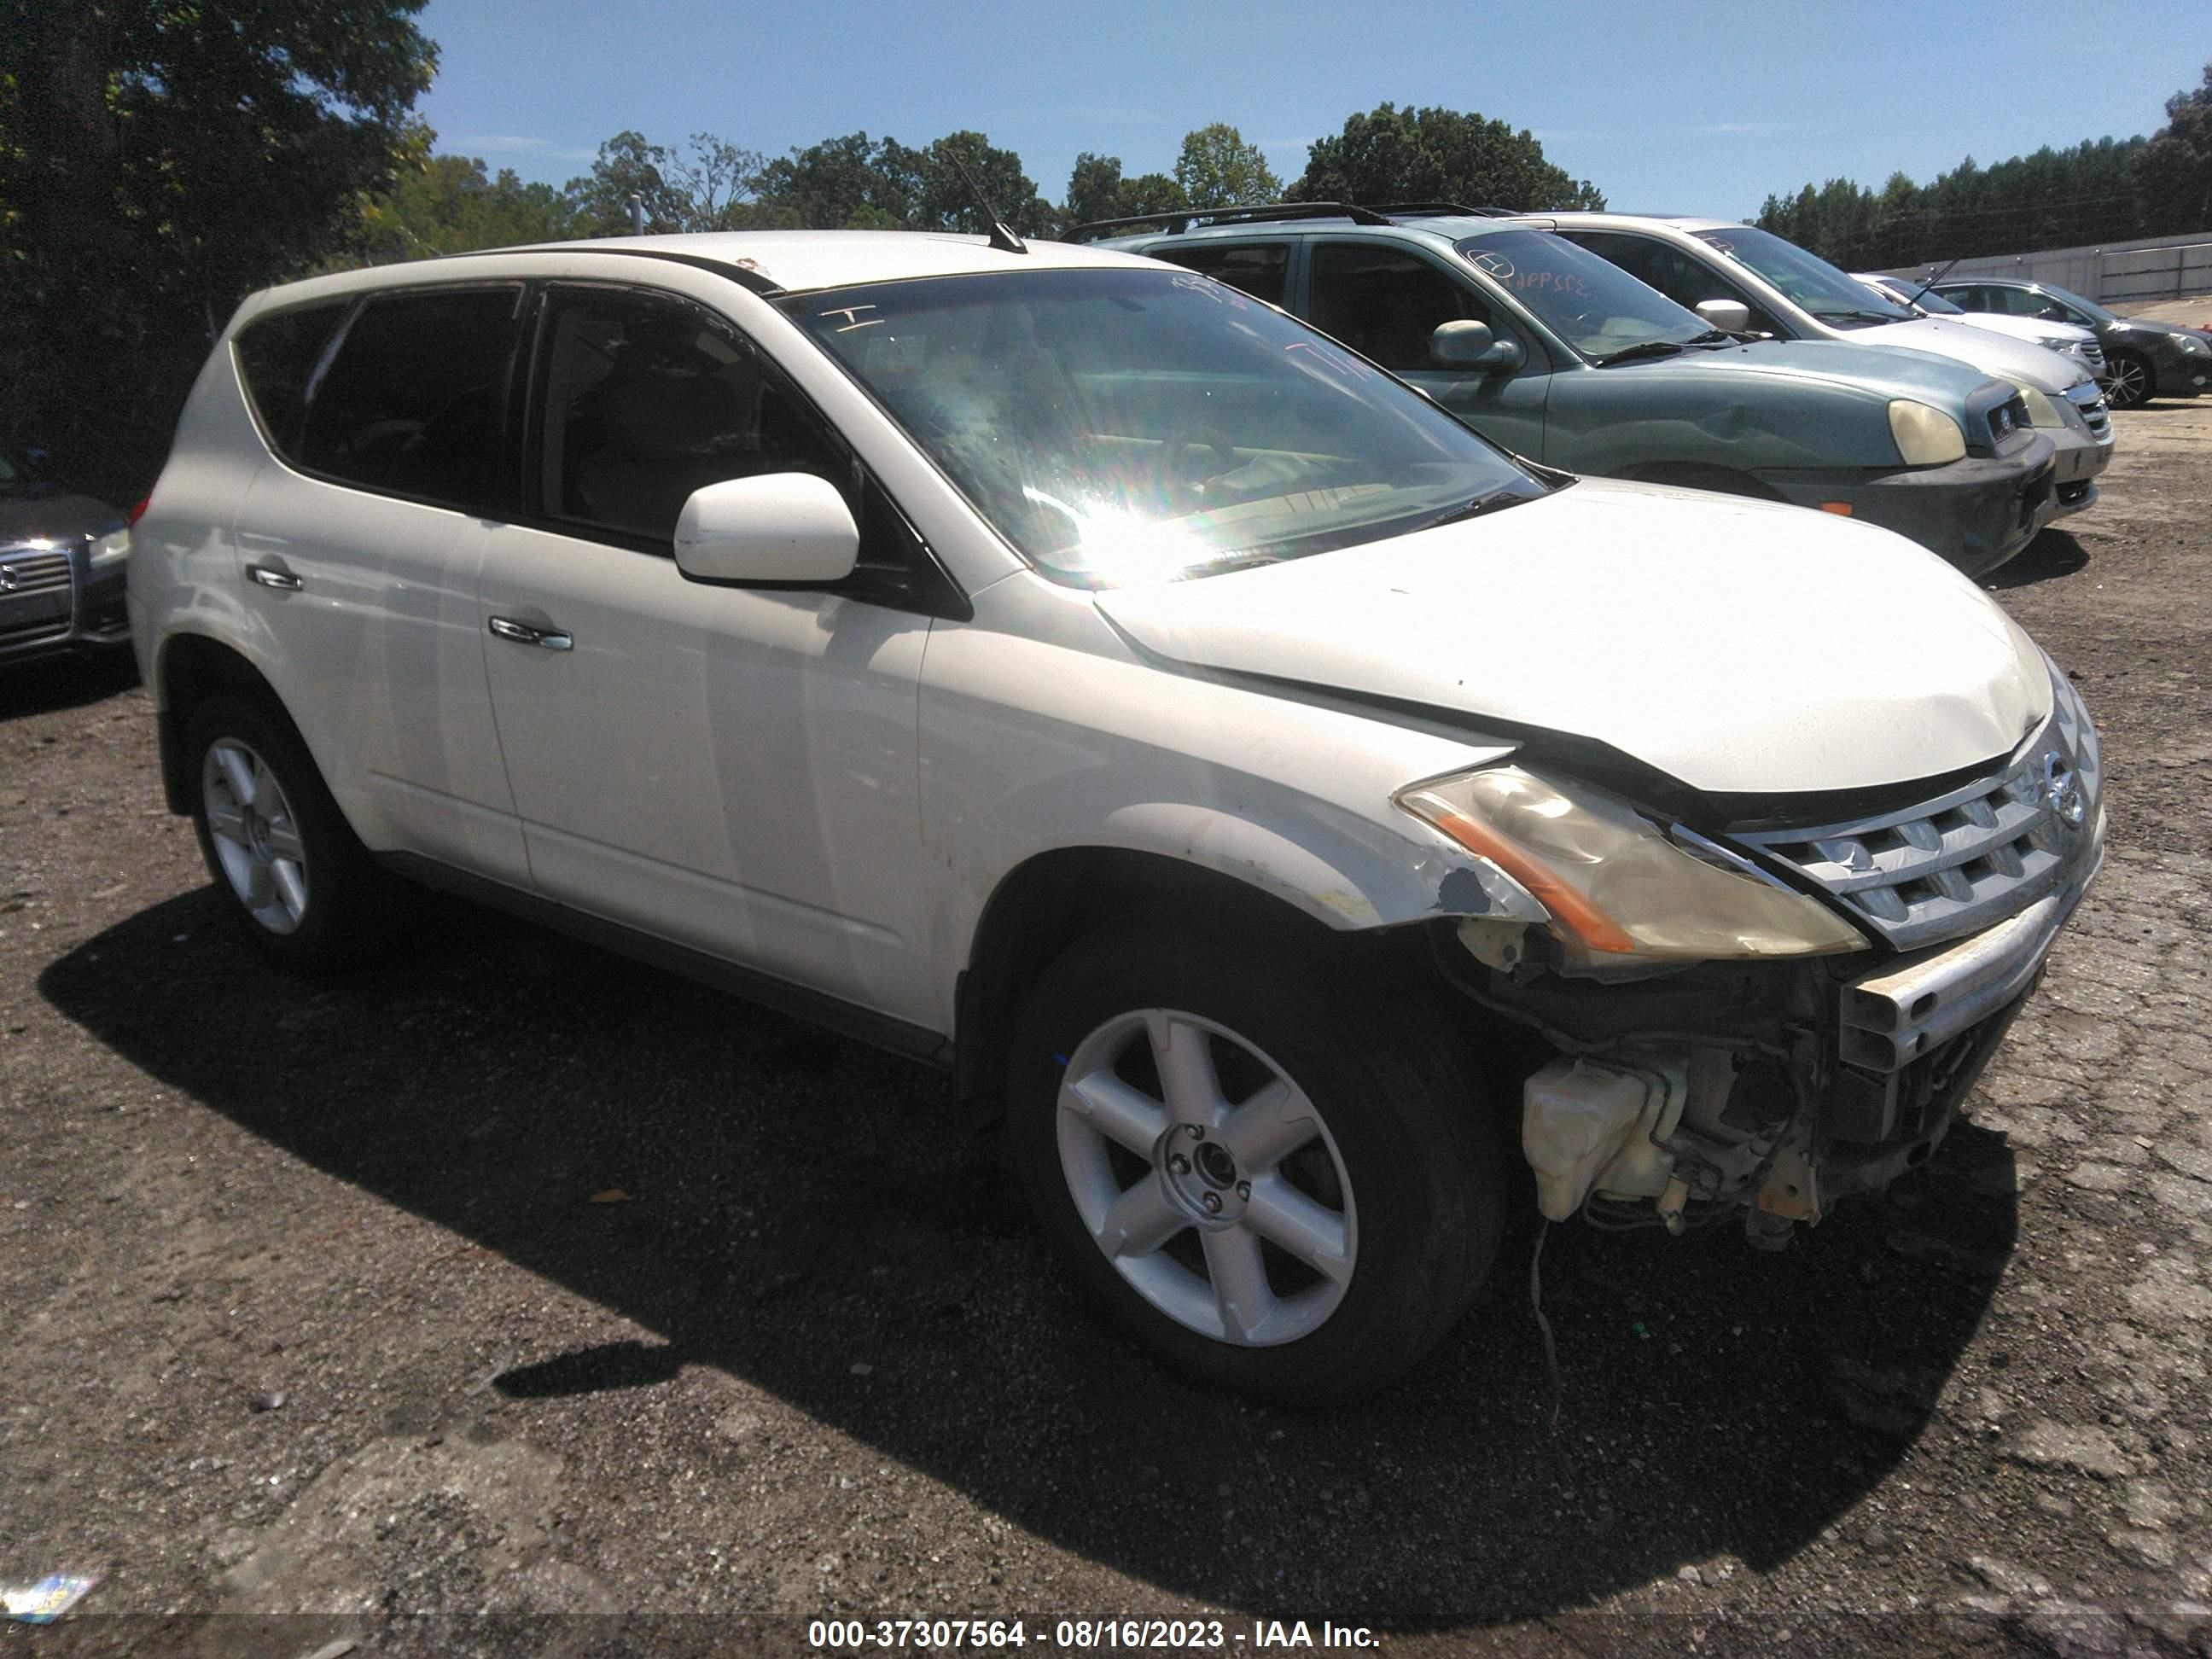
[1258,1171]
[257,839]
[2127,384]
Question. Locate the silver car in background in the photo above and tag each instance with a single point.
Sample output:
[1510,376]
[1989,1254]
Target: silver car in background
[2065,339]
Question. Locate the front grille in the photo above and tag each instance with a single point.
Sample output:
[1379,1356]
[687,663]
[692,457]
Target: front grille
[1970,857]
[2096,413]
[36,599]
[2093,358]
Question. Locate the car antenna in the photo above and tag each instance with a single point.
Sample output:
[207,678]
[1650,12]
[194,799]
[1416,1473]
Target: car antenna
[1931,281]
[1002,235]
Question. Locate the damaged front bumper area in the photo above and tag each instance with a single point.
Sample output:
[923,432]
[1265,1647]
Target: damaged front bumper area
[1768,1090]
[1771,1091]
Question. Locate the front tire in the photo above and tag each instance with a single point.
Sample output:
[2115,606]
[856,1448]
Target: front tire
[1265,1166]
[288,867]
[2130,380]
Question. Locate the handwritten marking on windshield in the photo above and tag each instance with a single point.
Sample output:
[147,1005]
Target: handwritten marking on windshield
[852,318]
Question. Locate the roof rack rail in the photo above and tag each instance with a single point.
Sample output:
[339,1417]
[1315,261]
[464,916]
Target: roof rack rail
[1182,219]
[1425,209]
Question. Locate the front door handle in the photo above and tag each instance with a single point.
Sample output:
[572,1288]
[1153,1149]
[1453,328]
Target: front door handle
[523,632]
[270,576]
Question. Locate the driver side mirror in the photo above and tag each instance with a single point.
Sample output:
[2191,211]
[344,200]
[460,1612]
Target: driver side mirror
[1469,344]
[777,527]
[1729,316]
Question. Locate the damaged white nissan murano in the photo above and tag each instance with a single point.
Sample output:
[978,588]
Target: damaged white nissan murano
[1282,807]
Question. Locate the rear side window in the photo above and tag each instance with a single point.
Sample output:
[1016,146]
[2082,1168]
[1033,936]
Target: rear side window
[413,401]
[1260,270]
[1385,304]
[277,355]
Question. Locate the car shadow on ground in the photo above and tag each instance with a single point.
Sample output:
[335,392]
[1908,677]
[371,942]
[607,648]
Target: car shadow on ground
[2053,554]
[45,685]
[799,1208]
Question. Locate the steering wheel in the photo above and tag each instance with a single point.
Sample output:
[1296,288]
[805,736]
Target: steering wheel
[1182,467]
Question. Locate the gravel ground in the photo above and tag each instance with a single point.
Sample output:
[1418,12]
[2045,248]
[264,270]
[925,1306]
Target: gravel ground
[516,1280]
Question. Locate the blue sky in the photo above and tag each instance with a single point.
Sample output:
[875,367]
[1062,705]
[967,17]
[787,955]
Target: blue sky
[1690,107]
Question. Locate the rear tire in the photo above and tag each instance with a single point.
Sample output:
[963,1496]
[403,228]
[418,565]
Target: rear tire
[1340,1206]
[289,869]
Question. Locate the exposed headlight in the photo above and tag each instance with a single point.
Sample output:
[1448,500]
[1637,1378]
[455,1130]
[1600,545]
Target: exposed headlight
[2194,345]
[2041,411]
[1925,436]
[111,549]
[1619,887]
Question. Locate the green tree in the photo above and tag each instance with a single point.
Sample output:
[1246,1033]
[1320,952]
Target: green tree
[2174,171]
[452,204]
[1217,168]
[158,160]
[1393,154]
[837,183]
[628,167]
[1094,189]
[1097,191]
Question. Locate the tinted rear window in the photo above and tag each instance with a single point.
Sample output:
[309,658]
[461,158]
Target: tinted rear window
[1259,269]
[276,357]
[413,401]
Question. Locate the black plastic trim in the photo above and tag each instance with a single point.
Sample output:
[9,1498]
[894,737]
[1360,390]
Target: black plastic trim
[881,1031]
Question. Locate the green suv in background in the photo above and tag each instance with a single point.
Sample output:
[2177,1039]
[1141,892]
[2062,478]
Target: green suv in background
[1551,352]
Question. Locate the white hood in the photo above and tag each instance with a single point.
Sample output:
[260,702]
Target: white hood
[1987,350]
[1739,645]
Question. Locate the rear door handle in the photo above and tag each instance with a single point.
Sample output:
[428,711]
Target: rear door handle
[523,632]
[270,576]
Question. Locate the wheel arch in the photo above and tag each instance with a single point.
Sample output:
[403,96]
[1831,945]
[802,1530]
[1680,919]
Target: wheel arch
[1053,899]
[189,669]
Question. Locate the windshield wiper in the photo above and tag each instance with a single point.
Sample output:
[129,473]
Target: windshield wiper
[1488,502]
[1648,348]
[1859,316]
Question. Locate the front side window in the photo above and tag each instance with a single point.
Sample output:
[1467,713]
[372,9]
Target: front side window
[1259,268]
[1688,282]
[1120,425]
[1592,303]
[413,401]
[647,400]
[1385,303]
[2072,308]
[1805,279]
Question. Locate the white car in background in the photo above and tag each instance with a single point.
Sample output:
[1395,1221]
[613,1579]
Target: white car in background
[1278,805]
[2065,339]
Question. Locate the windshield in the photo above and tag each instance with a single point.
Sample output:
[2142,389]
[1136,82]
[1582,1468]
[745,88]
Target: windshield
[1808,281]
[1589,302]
[1121,426]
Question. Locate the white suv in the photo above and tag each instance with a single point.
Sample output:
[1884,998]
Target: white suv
[1286,808]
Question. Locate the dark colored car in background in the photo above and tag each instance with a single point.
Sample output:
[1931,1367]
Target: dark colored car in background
[63,559]
[2144,359]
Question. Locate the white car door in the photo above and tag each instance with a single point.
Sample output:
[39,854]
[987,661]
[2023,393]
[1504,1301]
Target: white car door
[731,769]
[358,555]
